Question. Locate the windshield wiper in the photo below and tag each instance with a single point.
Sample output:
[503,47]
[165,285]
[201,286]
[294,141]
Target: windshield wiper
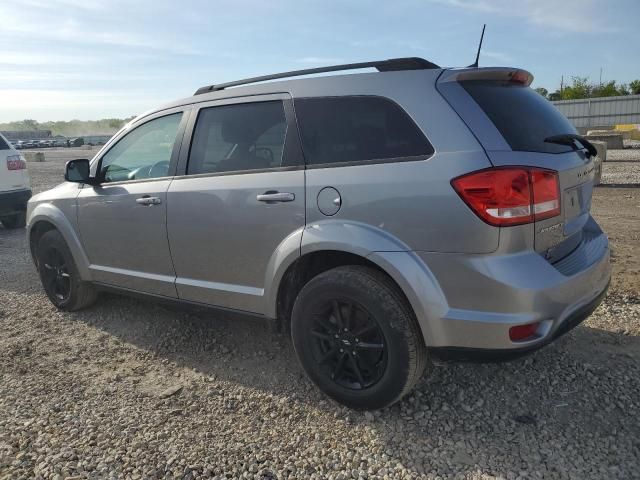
[571,139]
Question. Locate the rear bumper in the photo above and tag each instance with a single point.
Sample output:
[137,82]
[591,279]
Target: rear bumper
[502,355]
[14,201]
[486,295]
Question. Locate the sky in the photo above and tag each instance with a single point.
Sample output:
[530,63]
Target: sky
[92,59]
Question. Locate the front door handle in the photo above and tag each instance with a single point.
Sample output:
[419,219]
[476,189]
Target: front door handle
[274,197]
[147,200]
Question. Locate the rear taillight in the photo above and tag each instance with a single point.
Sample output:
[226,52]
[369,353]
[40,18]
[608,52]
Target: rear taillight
[16,162]
[506,196]
[546,193]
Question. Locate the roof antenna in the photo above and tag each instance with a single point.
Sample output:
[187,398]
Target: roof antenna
[475,64]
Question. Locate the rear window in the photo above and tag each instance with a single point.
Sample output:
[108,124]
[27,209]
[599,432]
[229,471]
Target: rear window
[357,129]
[4,145]
[523,116]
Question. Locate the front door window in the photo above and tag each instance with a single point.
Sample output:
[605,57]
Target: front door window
[145,152]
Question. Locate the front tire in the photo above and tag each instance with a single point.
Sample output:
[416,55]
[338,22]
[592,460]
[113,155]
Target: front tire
[357,338]
[59,274]
[18,220]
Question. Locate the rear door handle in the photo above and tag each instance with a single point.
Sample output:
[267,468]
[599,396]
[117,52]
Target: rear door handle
[274,197]
[147,200]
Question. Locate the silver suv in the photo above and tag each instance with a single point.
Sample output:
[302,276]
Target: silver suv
[383,217]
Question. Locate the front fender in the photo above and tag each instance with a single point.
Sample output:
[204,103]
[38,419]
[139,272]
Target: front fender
[49,213]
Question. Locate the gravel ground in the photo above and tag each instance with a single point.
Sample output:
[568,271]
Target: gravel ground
[623,166]
[129,389]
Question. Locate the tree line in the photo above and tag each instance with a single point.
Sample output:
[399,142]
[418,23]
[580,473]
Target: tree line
[580,87]
[71,128]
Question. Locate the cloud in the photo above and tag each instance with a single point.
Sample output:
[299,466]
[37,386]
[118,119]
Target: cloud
[47,104]
[498,56]
[321,60]
[80,26]
[92,5]
[578,16]
[33,59]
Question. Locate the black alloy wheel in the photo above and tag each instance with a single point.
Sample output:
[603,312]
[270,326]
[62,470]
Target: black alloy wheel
[56,277]
[349,345]
[59,274]
[357,337]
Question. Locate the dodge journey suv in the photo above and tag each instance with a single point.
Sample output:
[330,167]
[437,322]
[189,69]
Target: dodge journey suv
[382,217]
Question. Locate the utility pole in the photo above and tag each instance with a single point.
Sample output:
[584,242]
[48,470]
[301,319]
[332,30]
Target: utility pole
[561,85]
[600,77]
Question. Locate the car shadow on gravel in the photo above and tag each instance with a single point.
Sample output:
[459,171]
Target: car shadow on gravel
[537,414]
[559,397]
[229,347]
[246,350]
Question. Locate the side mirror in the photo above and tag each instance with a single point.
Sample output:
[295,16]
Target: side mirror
[78,171]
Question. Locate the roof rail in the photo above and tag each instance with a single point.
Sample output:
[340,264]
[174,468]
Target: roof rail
[392,64]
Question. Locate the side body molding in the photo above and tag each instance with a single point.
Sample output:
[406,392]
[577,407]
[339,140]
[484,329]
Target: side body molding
[50,213]
[390,254]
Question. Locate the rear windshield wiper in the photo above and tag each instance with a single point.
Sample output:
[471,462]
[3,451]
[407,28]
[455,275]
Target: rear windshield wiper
[571,139]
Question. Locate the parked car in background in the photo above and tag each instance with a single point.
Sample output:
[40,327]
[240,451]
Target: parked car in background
[383,217]
[15,188]
[96,139]
[19,145]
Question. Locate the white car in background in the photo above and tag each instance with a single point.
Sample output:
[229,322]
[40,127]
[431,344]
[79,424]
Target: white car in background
[15,186]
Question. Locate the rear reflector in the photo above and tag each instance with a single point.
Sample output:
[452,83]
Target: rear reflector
[523,332]
[506,196]
[16,162]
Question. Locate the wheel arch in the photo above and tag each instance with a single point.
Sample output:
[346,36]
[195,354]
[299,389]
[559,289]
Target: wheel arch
[375,249]
[46,217]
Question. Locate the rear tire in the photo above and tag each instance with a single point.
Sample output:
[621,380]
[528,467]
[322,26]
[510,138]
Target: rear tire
[357,338]
[18,220]
[59,274]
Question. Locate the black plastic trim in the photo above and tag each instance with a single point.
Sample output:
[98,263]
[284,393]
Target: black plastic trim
[14,201]
[239,172]
[186,304]
[356,163]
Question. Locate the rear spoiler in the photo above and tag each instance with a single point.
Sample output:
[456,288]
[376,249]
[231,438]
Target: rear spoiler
[500,74]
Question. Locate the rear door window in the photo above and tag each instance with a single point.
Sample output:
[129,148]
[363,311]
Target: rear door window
[357,129]
[521,115]
[245,136]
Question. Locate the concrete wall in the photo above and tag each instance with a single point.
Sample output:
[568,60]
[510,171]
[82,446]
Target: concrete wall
[595,113]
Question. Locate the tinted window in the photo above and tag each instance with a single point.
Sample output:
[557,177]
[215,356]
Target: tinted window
[145,152]
[3,145]
[356,129]
[245,136]
[523,116]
